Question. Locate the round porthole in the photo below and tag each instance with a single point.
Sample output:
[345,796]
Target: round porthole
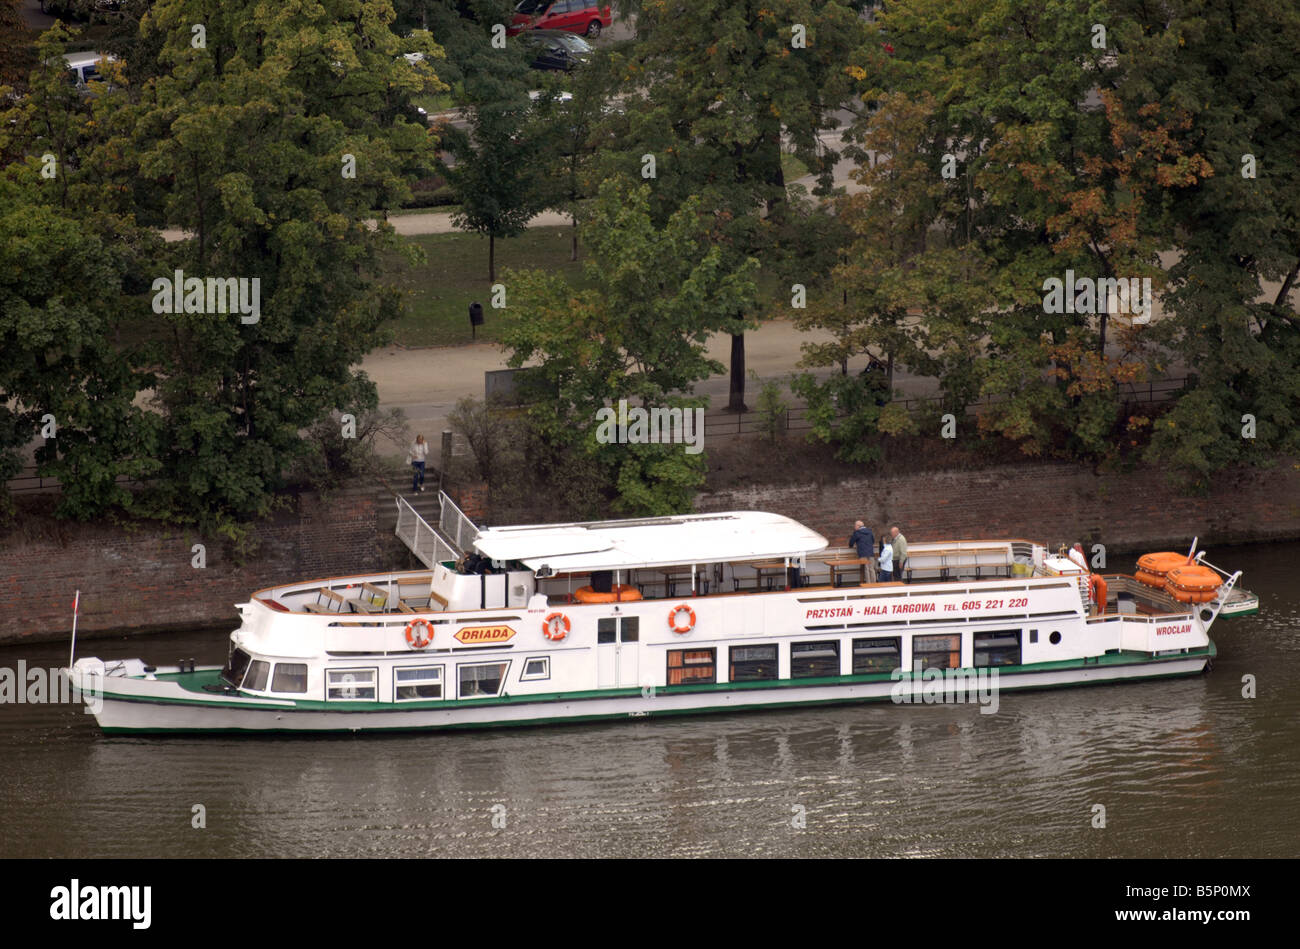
[1055,638]
[1207,615]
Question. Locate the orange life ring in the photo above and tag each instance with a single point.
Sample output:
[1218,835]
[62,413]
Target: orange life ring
[1161,562]
[619,592]
[1193,584]
[675,612]
[416,641]
[1097,590]
[555,627]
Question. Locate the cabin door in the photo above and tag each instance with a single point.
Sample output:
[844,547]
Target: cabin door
[618,650]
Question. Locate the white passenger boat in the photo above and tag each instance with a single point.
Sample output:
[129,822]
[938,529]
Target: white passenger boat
[667,616]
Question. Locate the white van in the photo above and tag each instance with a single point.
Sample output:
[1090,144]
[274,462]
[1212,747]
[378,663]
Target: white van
[86,66]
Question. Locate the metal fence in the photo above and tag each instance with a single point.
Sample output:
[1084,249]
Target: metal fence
[795,417]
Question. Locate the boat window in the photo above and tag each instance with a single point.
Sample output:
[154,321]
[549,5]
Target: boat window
[257,673]
[537,668]
[937,652]
[877,655]
[479,679]
[808,660]
[692,666]
[630,631]
[235,668]
[352,684]
[605,629]
[997,648]
[290,677]
[753,663]
[417,682]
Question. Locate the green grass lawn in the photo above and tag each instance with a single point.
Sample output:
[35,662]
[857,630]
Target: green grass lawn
[792,168]
[438,294]
[439,102]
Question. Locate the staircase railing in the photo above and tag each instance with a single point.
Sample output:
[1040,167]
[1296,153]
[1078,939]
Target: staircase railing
[454,524]
[426,543]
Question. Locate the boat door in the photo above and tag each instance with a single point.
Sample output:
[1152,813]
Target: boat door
[618,650]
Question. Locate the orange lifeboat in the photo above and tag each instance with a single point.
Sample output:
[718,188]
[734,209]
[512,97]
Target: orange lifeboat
[1193,584]
[1153,568]
[619,592]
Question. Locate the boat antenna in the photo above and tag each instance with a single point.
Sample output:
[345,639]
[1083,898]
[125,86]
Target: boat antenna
[72,650]
[1191,554]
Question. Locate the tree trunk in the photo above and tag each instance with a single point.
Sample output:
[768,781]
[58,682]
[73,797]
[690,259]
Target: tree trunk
[492,258]
[574,255]
[737,403]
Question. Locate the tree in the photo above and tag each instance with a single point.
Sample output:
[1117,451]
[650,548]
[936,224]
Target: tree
[1044,171]
[17,53]
[70,259]
[1231,311]
[273,143]
[567,132]
[719,85]
[495,172]
[639,333]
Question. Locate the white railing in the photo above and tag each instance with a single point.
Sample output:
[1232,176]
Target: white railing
[415,532]
[453,523]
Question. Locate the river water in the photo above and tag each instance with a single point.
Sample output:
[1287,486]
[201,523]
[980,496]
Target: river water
[1187,768]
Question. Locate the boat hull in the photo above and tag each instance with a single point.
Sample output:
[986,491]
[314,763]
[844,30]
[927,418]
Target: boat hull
[141,712]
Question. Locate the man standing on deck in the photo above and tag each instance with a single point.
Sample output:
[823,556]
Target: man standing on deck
[864,539]
[899,545]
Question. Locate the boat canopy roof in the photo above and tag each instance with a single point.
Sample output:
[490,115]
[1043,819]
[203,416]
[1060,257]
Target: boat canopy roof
[650,542]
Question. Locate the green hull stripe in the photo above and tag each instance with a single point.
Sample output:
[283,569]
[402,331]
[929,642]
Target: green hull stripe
[609,716]
[1206,653]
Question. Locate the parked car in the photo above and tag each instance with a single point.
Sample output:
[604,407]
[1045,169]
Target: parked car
[571,16]
[85,67]
[556,49]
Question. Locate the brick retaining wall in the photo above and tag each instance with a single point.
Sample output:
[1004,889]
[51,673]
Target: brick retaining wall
[142,579]
[1051,503]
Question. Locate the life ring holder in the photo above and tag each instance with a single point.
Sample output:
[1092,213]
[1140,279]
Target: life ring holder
[414,640]
[675,614]
[556,626]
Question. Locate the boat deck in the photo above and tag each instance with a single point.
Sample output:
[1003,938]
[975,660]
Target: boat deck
[969,561]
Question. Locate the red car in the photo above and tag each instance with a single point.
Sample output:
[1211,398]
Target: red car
[574,16]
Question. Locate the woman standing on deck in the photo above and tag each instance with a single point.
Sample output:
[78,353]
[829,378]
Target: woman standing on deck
[416,456]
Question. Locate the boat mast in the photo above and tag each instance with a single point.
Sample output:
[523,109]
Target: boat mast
[72,650]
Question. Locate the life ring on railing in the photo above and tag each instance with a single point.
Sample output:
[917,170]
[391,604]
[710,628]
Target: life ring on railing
[675,613]
[415,639]
[555,627]
[1097,590]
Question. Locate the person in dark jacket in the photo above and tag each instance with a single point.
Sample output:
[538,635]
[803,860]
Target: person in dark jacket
[864,539]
